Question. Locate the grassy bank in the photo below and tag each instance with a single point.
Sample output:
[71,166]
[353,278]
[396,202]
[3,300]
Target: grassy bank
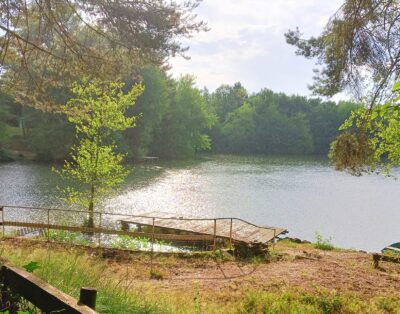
[126,284]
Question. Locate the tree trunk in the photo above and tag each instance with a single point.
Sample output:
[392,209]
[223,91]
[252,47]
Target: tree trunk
[91,208]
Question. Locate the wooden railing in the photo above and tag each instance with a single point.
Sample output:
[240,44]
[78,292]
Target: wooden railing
[44,296]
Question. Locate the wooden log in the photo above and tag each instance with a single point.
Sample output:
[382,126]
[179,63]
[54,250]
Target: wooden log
[87,297]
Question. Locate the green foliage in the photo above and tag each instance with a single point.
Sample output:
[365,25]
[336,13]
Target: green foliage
[182,131]
[101,39]
[136,243]
[68,237]
[130,243]
[357,50]
[227,99]
[94,166]
[68,271]
[239,129]
[50,136]
[271,123]
[351,151]
[271,303]
[151,108]
[97,110]
[19,312]
[117,293]
[323,243]
[4,115]
[31,266]
[371,139]
[175,120]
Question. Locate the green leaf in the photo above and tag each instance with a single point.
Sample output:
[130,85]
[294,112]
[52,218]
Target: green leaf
[31,267]
[396,86]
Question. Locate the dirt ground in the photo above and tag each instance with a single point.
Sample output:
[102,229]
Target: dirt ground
[291,265]
[297,267]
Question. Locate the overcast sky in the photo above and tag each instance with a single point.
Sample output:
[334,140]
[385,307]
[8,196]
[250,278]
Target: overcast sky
[246,43]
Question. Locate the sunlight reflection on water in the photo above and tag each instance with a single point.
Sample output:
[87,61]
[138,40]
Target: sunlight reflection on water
[302,195]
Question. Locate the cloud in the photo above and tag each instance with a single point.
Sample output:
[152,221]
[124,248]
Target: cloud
[246,43]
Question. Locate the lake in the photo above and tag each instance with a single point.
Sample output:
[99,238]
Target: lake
[304,195]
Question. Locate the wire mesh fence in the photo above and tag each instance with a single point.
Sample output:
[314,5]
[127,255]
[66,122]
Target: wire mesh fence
[150,232]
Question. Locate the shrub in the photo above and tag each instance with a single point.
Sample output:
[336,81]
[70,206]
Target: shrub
[323,243]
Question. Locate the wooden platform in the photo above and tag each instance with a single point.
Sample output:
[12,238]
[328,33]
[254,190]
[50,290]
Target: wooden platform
[228,228]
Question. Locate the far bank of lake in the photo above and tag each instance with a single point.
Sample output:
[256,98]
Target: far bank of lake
[304,195]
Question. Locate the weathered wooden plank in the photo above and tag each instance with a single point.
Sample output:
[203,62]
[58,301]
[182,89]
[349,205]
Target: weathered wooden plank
[41,294]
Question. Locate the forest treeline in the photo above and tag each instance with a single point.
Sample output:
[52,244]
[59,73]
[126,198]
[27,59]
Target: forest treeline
[177,120]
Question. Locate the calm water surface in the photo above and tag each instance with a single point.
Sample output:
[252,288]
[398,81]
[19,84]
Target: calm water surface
[302,195]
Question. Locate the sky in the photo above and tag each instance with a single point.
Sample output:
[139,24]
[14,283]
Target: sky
[246,43]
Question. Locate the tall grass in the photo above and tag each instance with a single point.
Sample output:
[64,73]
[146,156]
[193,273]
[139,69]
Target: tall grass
[319,302]
[69,271]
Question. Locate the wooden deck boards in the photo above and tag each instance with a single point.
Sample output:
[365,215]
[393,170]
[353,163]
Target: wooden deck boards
[241,230]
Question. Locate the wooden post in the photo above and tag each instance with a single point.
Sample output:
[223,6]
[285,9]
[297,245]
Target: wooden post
[44,296]
[48,224]
[2,220]
[124,226]
[99,234]
[215,233]
[152,245]
[273,240]
[87,297]
[376,257]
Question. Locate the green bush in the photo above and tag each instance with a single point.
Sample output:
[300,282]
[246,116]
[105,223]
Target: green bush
[323,243]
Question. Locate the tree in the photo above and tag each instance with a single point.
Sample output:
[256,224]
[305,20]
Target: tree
[182,133]
[5,117]
[50,136]
[97,111]
[371,139]
[3,126]
[152,106]
[239,130]
[325,119]
[227,98]
[358,50]
[46,44]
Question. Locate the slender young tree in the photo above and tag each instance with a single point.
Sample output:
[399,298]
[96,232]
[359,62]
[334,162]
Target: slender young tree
[97,110]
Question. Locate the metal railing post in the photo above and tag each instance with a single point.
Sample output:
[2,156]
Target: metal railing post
[2,221]
[230,235]
[152,245]
[215,233]
[48,225]
[99,233]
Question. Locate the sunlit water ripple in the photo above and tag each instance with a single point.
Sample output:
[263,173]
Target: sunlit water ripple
[302,195]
